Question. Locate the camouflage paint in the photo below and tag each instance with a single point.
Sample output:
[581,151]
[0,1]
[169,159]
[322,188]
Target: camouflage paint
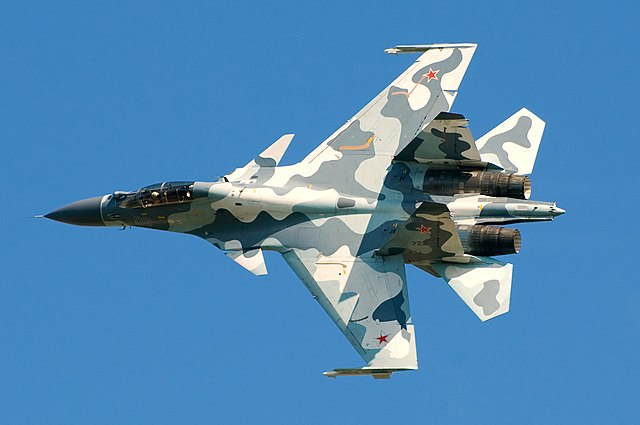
[352,213]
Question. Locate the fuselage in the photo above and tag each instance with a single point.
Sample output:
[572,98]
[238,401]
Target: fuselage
[271,217]
[401,182]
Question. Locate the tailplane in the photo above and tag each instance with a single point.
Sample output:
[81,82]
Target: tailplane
[513,144]
[484,284]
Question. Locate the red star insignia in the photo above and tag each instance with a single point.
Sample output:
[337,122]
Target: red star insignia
[432,75]
[382,338]
[424,229]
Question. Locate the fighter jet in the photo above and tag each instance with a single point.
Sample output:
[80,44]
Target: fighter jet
[402,182]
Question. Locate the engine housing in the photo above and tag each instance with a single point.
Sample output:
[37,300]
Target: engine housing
[487,241]
[489,183]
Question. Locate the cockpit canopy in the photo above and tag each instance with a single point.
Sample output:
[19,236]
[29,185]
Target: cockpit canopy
[166,193]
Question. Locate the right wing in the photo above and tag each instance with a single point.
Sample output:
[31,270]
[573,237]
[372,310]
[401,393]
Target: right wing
[367,299]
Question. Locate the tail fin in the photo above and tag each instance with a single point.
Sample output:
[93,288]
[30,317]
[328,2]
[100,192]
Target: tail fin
[513,145]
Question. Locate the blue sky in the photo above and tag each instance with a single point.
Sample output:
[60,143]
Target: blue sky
[104,326]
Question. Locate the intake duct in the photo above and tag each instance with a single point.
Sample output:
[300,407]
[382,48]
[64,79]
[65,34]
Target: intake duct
[490,183]
[487,241]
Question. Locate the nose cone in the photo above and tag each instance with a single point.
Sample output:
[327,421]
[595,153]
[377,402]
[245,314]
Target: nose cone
[81,213]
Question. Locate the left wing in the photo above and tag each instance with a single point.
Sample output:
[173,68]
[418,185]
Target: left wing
[367,143]
[367,299]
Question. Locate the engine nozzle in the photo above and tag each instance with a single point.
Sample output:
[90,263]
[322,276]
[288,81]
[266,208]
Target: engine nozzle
[489,183]
[487,241]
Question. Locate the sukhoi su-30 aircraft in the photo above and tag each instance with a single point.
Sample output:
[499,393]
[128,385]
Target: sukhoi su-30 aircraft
[402,182]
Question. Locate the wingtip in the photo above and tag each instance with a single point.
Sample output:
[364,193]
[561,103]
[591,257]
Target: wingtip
[376,373]
[419,48]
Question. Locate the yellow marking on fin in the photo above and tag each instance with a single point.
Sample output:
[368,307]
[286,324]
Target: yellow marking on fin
[407,94]
[358,147]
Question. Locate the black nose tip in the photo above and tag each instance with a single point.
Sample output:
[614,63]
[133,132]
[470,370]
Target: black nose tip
[82,213]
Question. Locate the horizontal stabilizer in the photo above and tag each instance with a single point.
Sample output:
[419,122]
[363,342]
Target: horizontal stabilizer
[252,260]
[513,144]
[484,284]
